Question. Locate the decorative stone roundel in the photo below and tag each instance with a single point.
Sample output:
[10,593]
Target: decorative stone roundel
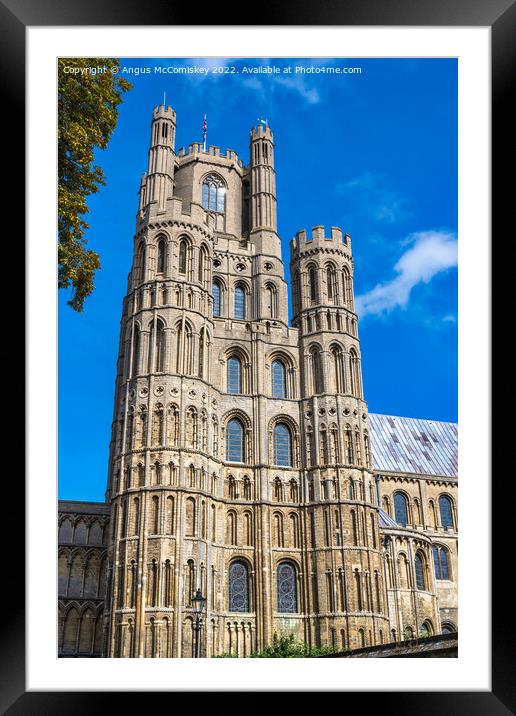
[143,392]
[174,390]
[268,266]
[192,393]
[364,416]
[217,263]
[322,411]
[159,390]
[132,393]
[214,403]
[240,267]
[346,411]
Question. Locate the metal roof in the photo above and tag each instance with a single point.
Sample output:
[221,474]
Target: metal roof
[411,445]
[386,520]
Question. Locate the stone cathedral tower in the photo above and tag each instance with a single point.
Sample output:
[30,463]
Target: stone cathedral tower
[240,455]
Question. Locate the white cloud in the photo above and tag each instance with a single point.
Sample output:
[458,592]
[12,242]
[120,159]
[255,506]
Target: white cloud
[301,86]
[430,253]
[379,201]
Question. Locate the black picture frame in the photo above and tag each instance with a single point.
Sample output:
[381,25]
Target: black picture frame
[500,16]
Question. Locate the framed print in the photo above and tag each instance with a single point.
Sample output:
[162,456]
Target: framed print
[253,501]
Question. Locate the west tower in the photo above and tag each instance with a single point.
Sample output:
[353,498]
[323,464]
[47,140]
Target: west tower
[240,453]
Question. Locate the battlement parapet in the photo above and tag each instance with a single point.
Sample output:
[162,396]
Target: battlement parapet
[196,148]
[162,111]
[179,210]
[262,131]
[318,239]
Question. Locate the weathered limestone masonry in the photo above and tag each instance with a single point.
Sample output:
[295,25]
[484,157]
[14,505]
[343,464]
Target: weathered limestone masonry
[241,450]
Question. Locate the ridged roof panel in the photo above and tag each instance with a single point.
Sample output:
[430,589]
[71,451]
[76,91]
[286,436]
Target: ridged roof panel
[411,445]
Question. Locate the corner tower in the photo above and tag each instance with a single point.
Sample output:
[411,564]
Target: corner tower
[262,204]
[157,185]
[344,550]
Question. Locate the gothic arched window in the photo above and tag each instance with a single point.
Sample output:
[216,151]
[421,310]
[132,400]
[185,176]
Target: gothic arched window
[214,194]
[238,587]
[400,509]
[158,349]
[317,379]
[338,368]
[420,573]
[331,284]
[235,441]
[445,508]
[354,373]
[278,377]
[216,298]
[270,300]
[347,287]
[140,268]
[282,440]
[287,589]
[183,255]
[161,256]
[312,281]
[234,375]
[441,563]
[136,350]
[203,266]
[239,307]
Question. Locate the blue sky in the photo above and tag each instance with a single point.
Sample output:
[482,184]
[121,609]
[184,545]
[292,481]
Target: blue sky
[374,153]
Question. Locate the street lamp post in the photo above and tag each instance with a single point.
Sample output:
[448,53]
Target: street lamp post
[199,603]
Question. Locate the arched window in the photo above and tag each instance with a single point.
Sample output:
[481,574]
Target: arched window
[140,267]
[400,509]
[426,629]
[282,445]
[441,563]
[347,287]
[238,587]
[445,507]
[420,572]
[136,350]
[270,301]
[216,298]
[239,307]
[448,628]
[160,267]
[203,266]
[214,194]
[330,284]
[287,588]
[312,283]
[278,376]
[183,255]
[202,346]
[235,441]
[338,368]
[317,381]
[354,373]
[157,349]
[234,375]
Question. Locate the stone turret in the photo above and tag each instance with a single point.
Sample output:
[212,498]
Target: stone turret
[157,184]
[262,200]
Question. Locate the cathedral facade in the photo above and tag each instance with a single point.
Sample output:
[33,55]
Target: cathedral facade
[243,461]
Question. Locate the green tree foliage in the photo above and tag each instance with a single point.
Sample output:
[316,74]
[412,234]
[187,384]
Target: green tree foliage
[286,647]
[87,115]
